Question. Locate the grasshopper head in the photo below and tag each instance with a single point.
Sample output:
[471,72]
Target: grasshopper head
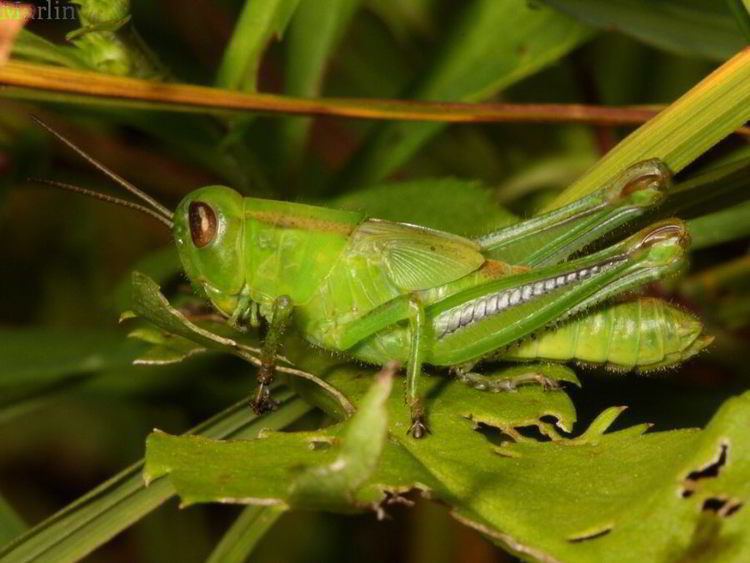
[208,231]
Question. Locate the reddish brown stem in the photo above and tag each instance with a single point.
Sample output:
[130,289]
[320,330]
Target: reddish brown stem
[185,97]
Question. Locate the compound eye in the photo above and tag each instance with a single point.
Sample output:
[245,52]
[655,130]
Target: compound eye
[203,223]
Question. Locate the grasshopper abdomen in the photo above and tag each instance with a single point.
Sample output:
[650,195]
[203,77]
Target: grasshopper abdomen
[642,334]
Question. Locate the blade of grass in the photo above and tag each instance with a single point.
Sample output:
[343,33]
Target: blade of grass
[717,281]
[714,189]
[45,357]
[41,363]
[116,504]
[696,30]
[313,34]
[28,404]
[702,117]
[11,524]
[495,44]
[259,21]
[244,534]
[720,227]
[741,12]
[30,46]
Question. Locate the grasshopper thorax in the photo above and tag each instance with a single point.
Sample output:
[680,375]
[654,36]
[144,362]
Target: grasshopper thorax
[209,234]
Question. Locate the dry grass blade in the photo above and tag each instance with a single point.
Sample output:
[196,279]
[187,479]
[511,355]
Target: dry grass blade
[183,97]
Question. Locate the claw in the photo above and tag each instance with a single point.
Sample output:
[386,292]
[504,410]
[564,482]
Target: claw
[418,428]
[547,383]
[506,384]
[263,402]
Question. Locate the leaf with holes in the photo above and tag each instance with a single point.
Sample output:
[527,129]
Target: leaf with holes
[281,464]
[646,496]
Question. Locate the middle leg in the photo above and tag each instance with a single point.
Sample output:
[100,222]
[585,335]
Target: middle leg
[414,400]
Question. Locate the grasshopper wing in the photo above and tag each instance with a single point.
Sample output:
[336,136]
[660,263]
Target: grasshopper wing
[417,257]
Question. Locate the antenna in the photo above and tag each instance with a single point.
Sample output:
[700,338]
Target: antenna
[104,197]
[166,213]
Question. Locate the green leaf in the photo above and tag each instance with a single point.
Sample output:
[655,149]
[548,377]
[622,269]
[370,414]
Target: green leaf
[682,132]
[645,496]
[405,18]
[313,35]
[116,504]
[741,12]
[151,305]
[329,480]
[495,44]
[259,22]
[453,205]
[275,459]
[362,441]
[167,348]
[31,47]
[698,28]
[629,495]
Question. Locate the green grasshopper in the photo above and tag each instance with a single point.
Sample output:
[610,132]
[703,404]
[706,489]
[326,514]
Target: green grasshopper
[379,291]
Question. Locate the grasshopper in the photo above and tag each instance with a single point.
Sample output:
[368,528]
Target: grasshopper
[379,291]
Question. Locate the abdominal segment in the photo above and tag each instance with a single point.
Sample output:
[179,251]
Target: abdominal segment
[643,334]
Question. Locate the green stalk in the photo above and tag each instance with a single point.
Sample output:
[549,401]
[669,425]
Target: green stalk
[244,534]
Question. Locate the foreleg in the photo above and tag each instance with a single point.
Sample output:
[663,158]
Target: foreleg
[280,316]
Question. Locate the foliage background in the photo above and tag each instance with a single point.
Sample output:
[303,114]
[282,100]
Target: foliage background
[73,411]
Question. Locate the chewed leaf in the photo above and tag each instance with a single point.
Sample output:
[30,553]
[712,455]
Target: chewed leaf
[315,470]
[151,305]
[362,442]
[167,348]
[628,487]
[570,499]
[450,402]
[600,425]
[351,465]
[172,353]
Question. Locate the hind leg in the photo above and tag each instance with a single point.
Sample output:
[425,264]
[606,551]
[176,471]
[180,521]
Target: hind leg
[506,380]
